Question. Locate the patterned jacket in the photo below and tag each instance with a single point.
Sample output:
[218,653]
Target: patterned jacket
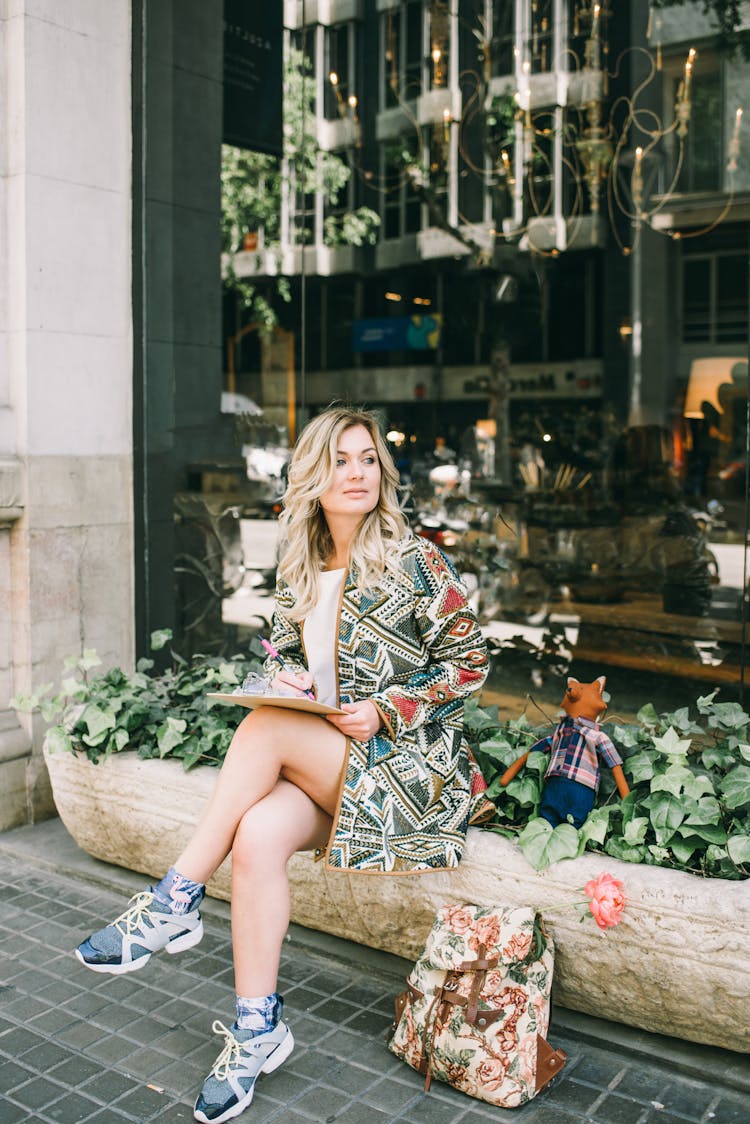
[412,646]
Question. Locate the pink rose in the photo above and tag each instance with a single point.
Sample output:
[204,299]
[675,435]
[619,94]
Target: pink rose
[490,1074]
[493,982]
[607,900]
[484,931]
[457,918]
[517,947]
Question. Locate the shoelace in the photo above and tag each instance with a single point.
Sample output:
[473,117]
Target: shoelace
[230,1054]
[136,913]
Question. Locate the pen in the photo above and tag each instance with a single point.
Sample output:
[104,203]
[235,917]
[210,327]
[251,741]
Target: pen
[279,659]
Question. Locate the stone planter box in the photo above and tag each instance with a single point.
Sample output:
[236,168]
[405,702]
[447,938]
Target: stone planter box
[678,963]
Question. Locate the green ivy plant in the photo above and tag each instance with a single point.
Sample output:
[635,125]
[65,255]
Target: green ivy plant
[164,714]
[689,805]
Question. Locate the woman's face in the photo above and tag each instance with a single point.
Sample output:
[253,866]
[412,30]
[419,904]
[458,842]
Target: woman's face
[355,488]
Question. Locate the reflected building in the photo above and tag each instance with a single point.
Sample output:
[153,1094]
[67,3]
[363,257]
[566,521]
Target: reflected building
[561,271]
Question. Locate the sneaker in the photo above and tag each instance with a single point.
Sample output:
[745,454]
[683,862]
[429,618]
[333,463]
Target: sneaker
[146,926]
[229,1087]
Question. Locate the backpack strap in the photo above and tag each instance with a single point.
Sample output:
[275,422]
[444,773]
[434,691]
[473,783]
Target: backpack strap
[549,1062]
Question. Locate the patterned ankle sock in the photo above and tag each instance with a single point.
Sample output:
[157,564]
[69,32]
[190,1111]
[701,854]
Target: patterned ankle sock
[259,1013]
[177,892]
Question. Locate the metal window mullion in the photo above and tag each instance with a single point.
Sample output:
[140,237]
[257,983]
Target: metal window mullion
[320,69]
[453,70]
[286,174]
[559,44]
[318,205]
[520,30]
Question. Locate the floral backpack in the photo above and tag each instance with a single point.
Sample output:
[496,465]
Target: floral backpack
[476,1007]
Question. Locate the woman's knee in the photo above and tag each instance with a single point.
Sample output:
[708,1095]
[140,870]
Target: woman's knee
[258,841]
[258,730]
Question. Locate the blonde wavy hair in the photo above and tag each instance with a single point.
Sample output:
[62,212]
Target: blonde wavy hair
[305,541]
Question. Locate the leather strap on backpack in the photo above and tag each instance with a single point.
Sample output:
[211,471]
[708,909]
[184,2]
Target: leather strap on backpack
[549,1062]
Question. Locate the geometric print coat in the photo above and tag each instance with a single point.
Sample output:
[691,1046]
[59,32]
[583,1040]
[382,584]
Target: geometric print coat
[414,648]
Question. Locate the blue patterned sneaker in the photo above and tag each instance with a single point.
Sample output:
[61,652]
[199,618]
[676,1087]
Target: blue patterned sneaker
[146,926]
[229,1087]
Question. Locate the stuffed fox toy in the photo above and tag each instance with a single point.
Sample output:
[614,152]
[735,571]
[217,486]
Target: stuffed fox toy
[572,778]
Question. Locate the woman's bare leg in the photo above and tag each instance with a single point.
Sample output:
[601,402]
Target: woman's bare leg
[270,743]
[283,822]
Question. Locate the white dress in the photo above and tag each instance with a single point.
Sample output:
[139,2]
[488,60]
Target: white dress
[319,636]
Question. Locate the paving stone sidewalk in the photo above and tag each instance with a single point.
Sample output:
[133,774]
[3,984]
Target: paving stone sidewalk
[75,1046]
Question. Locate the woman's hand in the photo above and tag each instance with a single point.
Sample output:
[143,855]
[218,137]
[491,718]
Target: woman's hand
[284,680]
[361,721]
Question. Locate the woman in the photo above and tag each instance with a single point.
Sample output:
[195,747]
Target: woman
[370,617]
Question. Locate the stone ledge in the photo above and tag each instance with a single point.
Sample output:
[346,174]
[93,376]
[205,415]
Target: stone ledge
[677,964]
[11,490]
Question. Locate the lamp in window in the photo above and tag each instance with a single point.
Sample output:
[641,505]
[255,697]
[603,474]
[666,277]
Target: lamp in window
[733,154]
[682,107]
[707,376]
[347,107]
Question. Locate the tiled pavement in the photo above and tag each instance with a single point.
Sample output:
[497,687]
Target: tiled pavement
[76,1046]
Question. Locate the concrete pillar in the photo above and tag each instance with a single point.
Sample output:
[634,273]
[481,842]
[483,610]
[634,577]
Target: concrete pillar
[66,526]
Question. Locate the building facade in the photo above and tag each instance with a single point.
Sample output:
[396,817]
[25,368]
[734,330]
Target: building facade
[500,139]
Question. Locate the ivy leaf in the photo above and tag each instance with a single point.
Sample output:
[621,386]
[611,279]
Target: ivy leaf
[497,746]
[159,638]
[640,767]
[97,721]
[672,744]
[595,825]
[667,811]
[744,751]
[72,687]
[626,736]
[543,844]
[56,740]
[736,787]
[647,715]
[711,832]
[729,715]
[684,849]
[537,762]
[191,752]
[738,847]
[699,785]
[635,831]
[121,737]
[524,789]
[660,854]
[480,718]
[228,673]
[682,720]
[620,850]
[169,735]
[671,780]
[705,810]
[26,703]
[705,703]
[717,757]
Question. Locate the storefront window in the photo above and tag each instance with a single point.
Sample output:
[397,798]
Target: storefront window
[563,313]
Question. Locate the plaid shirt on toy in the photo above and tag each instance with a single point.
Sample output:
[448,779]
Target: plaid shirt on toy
[574,747]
